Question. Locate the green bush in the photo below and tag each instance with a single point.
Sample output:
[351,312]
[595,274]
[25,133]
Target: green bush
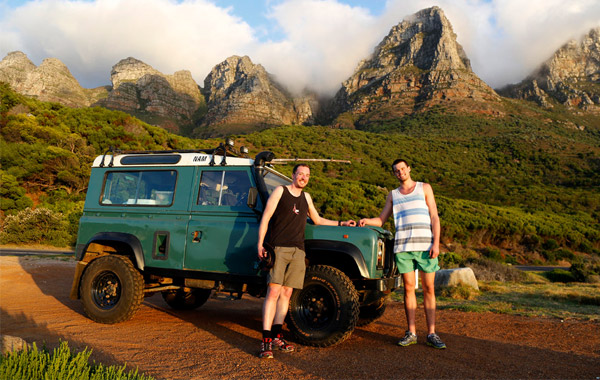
[565,254]
[585,271]
[492,254]
[39,226]
[490,270]
[12,196]
[560,275]
[61,364]
[459,292]
[450,260]
[550,244]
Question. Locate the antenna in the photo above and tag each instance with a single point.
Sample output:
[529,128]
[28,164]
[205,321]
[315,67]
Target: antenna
[286,160]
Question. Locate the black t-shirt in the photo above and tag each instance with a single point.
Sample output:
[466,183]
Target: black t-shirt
[286,227]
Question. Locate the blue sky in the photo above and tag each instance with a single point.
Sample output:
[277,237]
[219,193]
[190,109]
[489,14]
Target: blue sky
[313,44]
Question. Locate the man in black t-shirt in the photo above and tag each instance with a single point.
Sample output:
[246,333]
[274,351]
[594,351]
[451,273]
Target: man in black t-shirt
[284,219]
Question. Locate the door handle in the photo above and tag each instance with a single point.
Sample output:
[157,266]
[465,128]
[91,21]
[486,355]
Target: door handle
[197,236]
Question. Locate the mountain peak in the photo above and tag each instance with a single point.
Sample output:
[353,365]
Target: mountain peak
[419,64]
[570,77]
[243,96]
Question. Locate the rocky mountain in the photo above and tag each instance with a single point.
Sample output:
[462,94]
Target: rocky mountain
[170,101]
[51,81]
[241,97]
[570,77]
[418,65]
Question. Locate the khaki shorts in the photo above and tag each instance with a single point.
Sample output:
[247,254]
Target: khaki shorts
[409,261]
[289,268]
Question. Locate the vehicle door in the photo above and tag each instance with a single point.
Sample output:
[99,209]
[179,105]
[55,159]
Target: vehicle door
[142,203]
[223,230]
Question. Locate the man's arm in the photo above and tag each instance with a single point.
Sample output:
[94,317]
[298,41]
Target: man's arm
[379,220]
[435,220]
[317,219]
[266,217]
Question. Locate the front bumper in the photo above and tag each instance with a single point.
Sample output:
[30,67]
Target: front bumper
[381,284]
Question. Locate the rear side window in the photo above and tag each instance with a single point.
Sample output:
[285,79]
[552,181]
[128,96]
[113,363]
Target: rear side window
[139,188]
[224,188]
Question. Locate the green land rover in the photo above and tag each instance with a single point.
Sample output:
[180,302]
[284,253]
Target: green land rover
[185,224]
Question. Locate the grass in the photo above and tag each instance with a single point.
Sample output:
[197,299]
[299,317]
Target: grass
[535,297]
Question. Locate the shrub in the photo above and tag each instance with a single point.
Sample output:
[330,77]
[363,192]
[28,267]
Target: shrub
[585,272]
[12,196]
[560,275]
[565,254]
[450,260]
[39,226]
[550,244]
[550,256]
[32,363]
[492,254]
[489,270]
[459,292]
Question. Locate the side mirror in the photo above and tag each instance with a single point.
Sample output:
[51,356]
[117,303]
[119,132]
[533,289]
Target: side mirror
[252,197]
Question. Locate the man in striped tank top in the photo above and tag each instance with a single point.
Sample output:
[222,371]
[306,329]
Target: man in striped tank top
[417,246]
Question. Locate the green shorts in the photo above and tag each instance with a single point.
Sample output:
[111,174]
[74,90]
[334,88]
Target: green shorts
[289,268]
[409,261]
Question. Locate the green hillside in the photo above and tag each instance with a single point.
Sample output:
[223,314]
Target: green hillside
[526,184]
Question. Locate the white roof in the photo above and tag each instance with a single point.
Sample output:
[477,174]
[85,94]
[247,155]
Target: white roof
[187,159]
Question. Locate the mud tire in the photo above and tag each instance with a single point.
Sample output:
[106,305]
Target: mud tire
[324,312]
[111,289]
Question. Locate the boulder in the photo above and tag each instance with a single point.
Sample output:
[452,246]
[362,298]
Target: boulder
[12,343]
[454,277]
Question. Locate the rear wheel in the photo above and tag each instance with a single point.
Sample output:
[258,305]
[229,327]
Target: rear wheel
[111,289]
[325,311]
[373,311]
[185,298]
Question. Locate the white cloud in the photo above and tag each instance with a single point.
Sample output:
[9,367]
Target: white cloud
[90,37]
[506,40]
[319,44]
[324,41]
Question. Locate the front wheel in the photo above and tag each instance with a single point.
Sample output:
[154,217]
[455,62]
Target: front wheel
[111,289]
[325,311]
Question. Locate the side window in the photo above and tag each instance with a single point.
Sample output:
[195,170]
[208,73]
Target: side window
[154,188]
[221,188]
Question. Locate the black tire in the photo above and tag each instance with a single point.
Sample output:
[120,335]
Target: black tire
[372,312]
[111,289]
[185,298]
[325,311]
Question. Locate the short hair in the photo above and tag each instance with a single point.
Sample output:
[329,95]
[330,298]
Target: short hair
[297,166]
[399,160]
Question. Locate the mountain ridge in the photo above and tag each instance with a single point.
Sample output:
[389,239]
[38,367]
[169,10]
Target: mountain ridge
[418,66]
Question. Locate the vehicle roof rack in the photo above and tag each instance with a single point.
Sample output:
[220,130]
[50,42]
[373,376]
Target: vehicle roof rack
[223,148]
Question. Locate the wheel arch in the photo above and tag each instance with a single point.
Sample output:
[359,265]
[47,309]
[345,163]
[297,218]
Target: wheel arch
[102,244]
[341,255]
[115,242]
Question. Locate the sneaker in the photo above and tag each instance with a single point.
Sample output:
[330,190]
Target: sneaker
[409,338]
[266,351]
[434,340]
[280,344]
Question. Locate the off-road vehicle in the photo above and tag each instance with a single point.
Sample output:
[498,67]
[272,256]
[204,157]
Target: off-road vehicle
[185,224]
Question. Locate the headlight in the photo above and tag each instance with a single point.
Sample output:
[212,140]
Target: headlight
[380,253]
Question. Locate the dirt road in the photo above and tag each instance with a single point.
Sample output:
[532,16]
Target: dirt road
[220,340]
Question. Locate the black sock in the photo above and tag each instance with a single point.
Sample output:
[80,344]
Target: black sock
[276,329]
[267,335]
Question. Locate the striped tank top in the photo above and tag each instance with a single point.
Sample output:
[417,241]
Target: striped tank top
[412,220]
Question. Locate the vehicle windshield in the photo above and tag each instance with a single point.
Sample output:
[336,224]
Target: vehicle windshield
[273,179]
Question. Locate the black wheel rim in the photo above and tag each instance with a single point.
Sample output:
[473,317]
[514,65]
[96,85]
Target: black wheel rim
[317,307]
[106,290]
